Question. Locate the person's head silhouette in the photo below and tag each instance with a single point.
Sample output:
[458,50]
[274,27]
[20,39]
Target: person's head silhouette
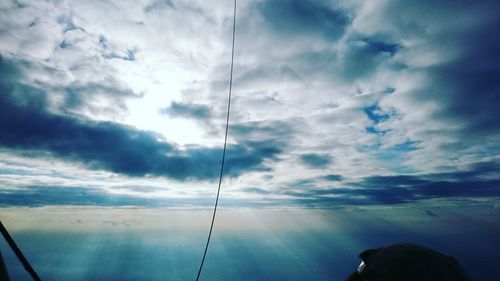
[407,262]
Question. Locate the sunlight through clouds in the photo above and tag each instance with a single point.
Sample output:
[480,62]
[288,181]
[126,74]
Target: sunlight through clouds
[118,108]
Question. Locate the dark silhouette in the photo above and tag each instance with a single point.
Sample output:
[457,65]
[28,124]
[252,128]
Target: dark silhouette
[19,254]
[4,276]
[408,262]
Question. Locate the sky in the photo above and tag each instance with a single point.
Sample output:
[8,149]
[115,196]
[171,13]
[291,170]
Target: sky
[337,105]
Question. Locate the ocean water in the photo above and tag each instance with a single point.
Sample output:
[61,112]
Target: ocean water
[84,243]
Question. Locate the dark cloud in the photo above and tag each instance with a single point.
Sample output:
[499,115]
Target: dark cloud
[477,171]
[26,125]
[390,190]
[159,5]
[301,18]
[404,191]
[277,131]
[51,195]
[376,190]
[314,160]
[465,86]
[364,55]
[470,85]
[37,196]
[379,46]
[333,177]
[121,149]
[184,110]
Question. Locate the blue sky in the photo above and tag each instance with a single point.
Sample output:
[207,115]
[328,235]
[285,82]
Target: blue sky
[339,105]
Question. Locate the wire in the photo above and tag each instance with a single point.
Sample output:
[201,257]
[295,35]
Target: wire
[224,150]
[33,273]
[18,253]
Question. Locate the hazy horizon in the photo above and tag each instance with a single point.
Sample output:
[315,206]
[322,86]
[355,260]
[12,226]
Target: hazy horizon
[83,243]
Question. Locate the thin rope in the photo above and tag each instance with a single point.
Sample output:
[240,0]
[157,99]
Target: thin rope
[224,150]
[18,253]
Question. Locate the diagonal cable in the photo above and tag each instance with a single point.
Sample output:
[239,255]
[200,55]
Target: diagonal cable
[18,253]
[224,150]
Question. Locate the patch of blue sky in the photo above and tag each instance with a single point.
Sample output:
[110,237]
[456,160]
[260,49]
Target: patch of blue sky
[15,172]
[376,114]
[375,131]
[383,47]
[128,56]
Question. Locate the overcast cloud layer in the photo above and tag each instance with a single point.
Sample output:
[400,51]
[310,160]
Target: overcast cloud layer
[335,102]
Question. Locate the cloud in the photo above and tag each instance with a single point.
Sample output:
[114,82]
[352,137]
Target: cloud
[121,149]
[314,160]
[379,46]
[452,100]
[159,4]
[277,131]
[45,195]
[303,18]
[361,57]
[475,73]
[27,126]
[138,188]
[38,196]
[184,110]
[376,190]
[333,177]
[108,53]
[327,95]
[400,189]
